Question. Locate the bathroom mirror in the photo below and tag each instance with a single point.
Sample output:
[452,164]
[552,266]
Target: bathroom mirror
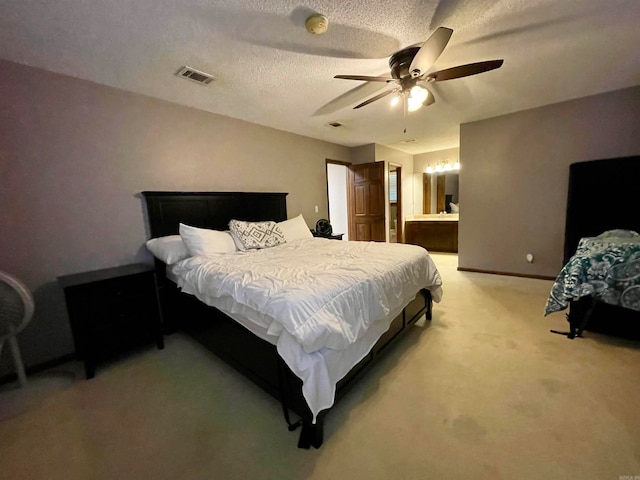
[439,190]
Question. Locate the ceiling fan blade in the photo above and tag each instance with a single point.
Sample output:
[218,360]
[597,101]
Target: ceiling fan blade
[364,78]
[356,94]
[430,51]
[373,99]
[464,70]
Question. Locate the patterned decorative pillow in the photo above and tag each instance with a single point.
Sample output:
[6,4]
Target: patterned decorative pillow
[253,235]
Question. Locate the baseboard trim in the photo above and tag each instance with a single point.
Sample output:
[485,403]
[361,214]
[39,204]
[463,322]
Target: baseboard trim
[40,367]
[508,274]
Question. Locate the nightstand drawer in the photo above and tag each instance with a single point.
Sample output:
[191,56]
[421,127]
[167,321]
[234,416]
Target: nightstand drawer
[121,300]
[128,322]
[125,288]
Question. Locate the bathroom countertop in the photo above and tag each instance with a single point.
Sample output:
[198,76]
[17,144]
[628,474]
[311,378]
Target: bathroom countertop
[433,218]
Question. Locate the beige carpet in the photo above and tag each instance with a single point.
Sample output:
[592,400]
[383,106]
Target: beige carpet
[484,391]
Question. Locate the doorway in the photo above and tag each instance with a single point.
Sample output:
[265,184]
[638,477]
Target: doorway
[395,203]
[337,187]
[372,201]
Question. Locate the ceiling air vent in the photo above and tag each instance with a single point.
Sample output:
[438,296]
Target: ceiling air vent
[195,75]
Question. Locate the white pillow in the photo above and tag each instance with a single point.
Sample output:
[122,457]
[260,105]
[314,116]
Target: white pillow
[169,249]
[204,241]
[256,234]
[295,229]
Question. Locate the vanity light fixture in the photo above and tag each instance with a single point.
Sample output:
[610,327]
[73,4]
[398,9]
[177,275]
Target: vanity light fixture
[443,167]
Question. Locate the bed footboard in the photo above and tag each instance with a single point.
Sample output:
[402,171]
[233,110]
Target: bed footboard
[259,361]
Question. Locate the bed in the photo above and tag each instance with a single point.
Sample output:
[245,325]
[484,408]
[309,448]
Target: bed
[602,197]
[605,268]
[296,370]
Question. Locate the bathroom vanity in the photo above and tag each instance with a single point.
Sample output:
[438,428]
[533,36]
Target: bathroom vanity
[435,232]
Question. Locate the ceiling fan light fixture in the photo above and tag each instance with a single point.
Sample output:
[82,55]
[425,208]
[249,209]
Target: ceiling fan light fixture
[413,104]
[395,100]
[417,96]
[419,93]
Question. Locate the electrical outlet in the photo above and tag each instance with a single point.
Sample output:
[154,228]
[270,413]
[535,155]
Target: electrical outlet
[529,257]
[316,207]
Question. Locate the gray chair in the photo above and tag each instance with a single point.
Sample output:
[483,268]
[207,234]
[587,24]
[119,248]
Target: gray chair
[16,310]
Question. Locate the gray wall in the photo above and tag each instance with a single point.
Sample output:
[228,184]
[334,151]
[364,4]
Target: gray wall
[75,155]
[363,153]
[514,175]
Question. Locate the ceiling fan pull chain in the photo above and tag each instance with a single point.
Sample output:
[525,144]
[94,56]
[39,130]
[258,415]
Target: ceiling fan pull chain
[404,112]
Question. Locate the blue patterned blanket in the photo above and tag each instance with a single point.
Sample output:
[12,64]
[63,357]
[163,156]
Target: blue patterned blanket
[606,267]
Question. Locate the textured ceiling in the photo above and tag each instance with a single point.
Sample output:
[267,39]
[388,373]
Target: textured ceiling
[268,70]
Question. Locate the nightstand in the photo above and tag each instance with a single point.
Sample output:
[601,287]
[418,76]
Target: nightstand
[337,236]
[112,310]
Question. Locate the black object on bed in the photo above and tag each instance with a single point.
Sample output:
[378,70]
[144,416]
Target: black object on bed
[253,357]
[603,195]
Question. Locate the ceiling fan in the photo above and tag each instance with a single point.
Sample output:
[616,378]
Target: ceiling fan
[409,72]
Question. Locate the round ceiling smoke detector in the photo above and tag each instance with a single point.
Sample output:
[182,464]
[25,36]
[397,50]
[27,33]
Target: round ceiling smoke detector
[317,24]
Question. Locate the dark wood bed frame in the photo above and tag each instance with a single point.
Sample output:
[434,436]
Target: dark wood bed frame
[255,358]
[602,195]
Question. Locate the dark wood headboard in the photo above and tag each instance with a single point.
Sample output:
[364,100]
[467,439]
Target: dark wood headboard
[165,210]
[603,195]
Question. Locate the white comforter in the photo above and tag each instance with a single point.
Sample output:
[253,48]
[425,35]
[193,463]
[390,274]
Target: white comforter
[324,303]
[324,293]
